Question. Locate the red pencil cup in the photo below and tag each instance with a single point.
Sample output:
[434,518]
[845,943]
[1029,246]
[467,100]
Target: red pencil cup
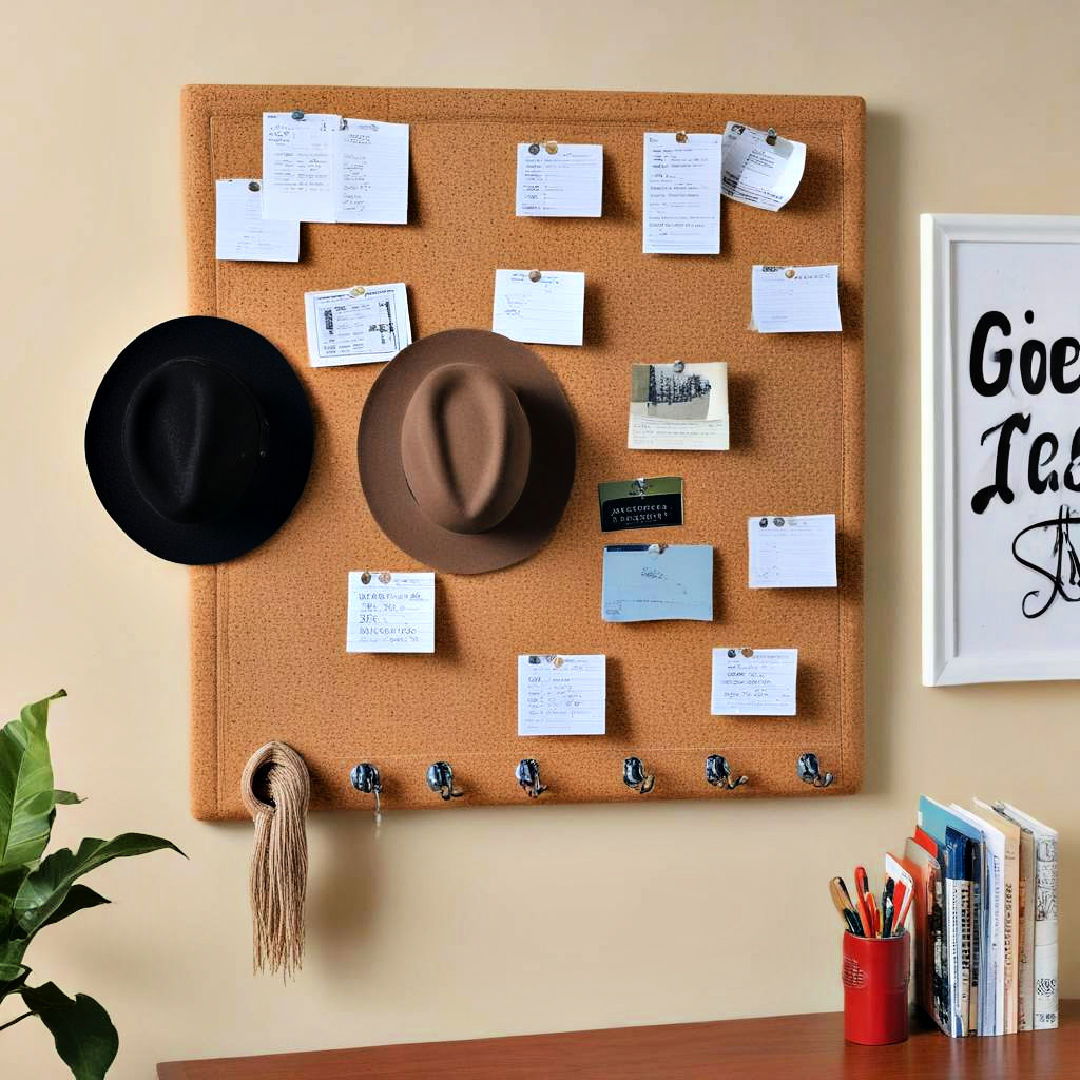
[875,976]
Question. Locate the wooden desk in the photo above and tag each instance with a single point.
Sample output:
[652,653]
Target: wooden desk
[787,1048]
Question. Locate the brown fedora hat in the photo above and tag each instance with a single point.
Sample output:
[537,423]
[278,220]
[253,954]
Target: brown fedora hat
[467,451]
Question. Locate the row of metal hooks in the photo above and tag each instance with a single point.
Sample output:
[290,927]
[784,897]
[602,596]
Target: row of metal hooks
[366,777]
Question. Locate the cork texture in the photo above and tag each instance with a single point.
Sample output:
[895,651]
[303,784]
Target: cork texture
[268,630]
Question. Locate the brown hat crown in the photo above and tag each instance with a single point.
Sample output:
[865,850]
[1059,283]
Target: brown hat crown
[466,447]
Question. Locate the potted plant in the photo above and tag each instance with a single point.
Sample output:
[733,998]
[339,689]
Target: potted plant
[37,890]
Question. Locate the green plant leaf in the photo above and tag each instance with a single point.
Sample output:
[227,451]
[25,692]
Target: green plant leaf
[85,1037]
[66,798]
[44,889]
[26,786]
[78,898]
[11,880]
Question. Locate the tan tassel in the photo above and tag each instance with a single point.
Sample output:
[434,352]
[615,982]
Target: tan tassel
[276,789]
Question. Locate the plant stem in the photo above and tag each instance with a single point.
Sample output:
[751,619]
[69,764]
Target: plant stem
[11,1023]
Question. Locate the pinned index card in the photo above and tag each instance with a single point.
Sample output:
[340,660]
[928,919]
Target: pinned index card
[559,179]
[242,234]
[561,695]
[681,193]
[391,613]
[792,552]
[754,682]
[795,299]
[544,307]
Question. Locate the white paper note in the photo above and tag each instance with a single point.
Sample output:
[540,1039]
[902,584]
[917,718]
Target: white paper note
[754,682]
[795,299]
[561,695]
[360,325]
[679,410]
[298,166]
[681,194]
[391,613]
[567,183]
[242,234]
[372,167]
[758,174]
[548,311]
[792,552]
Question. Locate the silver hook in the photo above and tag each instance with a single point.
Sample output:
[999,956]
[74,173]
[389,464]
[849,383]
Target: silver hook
[440,778]
[718,773]
[528,776]
[809,771]
[365,777]
[634,776]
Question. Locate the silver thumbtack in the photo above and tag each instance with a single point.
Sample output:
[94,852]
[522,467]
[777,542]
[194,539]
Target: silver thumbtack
[527,774]
[809,771]
[718,773]
[344,124]
[534,275]
[298,114]
[681,136]
[534,148]
[678,366]
[253,185]
[770,136]
[365,777]
[634,776]
[440,778]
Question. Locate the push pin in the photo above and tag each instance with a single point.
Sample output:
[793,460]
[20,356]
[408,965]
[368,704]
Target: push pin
[440,778]
[718,773]
[678,367]
[681,136]
[298,114]
[365,777]
[534,275]
[770,136]
[809,772]
[528,776]
[634,776]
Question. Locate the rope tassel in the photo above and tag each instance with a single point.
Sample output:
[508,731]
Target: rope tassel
[276,789]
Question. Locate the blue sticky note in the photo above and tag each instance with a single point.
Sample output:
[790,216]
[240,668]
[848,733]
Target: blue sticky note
[644,582]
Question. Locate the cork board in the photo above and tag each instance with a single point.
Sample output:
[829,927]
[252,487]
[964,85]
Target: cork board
[268,630]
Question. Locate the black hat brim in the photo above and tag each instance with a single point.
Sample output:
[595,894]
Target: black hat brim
[278,483]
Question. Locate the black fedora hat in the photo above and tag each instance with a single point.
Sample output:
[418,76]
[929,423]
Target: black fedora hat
[199,440]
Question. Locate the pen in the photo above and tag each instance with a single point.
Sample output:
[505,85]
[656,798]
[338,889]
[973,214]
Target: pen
[887,908]
[842,902]
[862,891]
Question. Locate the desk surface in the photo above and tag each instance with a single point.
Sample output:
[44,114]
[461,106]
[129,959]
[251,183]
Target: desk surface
[788,1047]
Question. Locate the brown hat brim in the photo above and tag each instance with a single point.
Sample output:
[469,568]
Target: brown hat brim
[551,472]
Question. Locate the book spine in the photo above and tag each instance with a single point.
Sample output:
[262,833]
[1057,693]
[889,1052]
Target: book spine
[958,932]
[1012,944]
[1046,932]
[1027,931]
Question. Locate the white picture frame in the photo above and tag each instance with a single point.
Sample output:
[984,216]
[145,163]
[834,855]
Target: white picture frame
[976,627]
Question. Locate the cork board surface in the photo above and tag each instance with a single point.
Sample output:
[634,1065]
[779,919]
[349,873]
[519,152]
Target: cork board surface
[268,630]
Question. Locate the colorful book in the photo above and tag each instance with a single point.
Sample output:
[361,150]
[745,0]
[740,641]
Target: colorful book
[1046,916]
[925,871]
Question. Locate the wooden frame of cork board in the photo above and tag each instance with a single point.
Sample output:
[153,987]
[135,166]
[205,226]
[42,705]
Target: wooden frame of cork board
[268,630]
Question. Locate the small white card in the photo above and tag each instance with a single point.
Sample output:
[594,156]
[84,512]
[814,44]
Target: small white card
[685,409]
[567,182]
[548,309]
[757,173]
[367,324]
[754,682]
[792,552]
[561,695]
[298,166]
[391,613]
[242,234]
[329,168]
[681,193]
[795,299]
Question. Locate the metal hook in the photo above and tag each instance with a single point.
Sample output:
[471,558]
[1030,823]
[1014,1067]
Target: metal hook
[718,773]
[528,776]
[634,776]
[809,771]
[440,778]
[365,777]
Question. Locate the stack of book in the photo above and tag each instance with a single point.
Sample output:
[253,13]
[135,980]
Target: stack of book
[985,918]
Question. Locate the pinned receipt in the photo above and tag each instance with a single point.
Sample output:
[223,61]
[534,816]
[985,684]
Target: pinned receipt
[760,168]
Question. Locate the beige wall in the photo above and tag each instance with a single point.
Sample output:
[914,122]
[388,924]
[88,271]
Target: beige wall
[486,922]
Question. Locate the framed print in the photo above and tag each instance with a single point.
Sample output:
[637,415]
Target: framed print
[1001,447]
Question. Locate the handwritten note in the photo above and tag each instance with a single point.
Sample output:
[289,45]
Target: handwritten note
[298,166]
[372,173]
[681,194]
[565,183]
[792,552]
[795,299]
[391,613]
[647,582]
[678,407]
[754,682]
[561,695]
[549,310]
[242,234]
[329,168]
[758,173]
[363,325]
